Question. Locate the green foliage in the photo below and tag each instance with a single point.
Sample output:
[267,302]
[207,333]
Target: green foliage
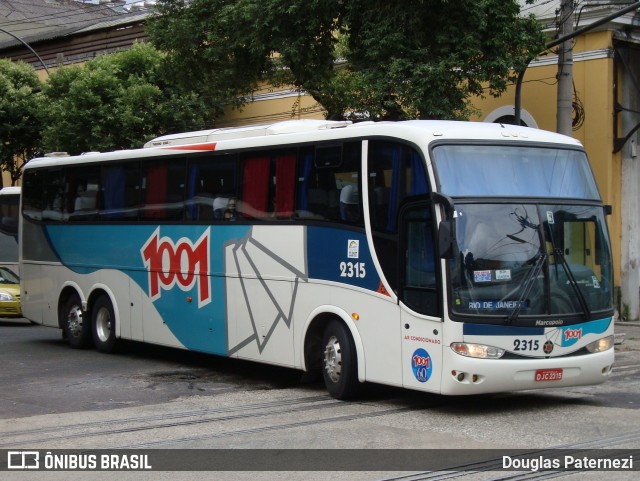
[20,104]
[212,46]
[116,101]
[390,59]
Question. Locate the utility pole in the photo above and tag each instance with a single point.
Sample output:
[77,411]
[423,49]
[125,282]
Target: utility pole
[564,116]
[560,40]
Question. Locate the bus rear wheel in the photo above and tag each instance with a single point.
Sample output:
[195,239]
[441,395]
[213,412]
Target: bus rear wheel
[103,320]
[339,362]
[75,326]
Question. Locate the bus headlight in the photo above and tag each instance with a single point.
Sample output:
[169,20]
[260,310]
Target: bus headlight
[477,350]
[600,345]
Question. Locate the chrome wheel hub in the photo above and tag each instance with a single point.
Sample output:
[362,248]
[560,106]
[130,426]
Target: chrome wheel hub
[103,324]
[74,321]
[333,359]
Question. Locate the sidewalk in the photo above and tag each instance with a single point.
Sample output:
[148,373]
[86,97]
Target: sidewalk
[627,336]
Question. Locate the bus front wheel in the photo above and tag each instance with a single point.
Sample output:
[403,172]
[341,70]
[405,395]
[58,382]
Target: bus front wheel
[339,361]
[103,320]
[76,328]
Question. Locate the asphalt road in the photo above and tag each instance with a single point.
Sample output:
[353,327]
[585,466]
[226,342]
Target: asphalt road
[145,397]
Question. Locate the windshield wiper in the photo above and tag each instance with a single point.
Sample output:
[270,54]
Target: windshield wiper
[572,281]
[527,286]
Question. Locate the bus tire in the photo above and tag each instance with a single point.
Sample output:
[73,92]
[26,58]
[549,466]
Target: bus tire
[75,326]
[339,361]
[103,322]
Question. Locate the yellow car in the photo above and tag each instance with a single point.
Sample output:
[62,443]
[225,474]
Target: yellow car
[9,294]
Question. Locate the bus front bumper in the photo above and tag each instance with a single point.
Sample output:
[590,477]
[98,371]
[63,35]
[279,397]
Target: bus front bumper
[475,376]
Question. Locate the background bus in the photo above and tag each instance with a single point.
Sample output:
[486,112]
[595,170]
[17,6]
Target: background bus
[449,257]
[9,210]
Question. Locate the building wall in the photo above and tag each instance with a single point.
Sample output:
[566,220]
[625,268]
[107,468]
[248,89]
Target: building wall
[630,192]
[272,105]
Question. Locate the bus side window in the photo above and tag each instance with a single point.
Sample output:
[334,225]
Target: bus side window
[83,183]
[54,196]
[268,185]
[329,184]
[33,194]
[211,183]
[120,199]
[255,187]
[284,185]
[163,189]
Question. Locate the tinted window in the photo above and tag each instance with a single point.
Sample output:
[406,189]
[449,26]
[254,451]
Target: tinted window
[268,185]
[82,192]
[120,192]
[162,189]
[54,195]
[32,193]
[396,171]
[329,189]
[211,185]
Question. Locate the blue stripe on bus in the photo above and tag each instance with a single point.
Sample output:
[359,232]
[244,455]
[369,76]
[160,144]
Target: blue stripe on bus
[88,248]
[340,255]
[591,327]
[572,334]
[333,254]
[498,330]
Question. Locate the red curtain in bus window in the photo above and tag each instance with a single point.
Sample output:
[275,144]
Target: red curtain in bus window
[285,185]
[156,195]
[255,186]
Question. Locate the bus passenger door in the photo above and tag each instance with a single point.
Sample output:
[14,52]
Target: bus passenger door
[420,302]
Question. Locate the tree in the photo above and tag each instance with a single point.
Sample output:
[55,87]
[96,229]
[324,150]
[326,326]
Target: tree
[376,59]
[211,46]
[20,104]
[117,101]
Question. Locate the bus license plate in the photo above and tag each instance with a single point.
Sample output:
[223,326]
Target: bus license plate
[548,375]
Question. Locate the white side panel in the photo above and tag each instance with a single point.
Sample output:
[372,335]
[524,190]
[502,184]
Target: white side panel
[260,304]
[422,342]
[136,329]
[261,333]
[154,329]
[377,327]
[135,313]
[32,295]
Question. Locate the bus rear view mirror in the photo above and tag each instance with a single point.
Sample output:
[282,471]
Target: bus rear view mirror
[446,239]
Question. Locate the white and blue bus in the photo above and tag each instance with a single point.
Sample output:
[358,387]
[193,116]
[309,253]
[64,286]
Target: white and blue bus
[448,257]
[10,213]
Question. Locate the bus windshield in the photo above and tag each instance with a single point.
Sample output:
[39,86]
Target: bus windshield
[517,260]
[514,171]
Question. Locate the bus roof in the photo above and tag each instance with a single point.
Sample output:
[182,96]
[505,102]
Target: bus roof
[301,131]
